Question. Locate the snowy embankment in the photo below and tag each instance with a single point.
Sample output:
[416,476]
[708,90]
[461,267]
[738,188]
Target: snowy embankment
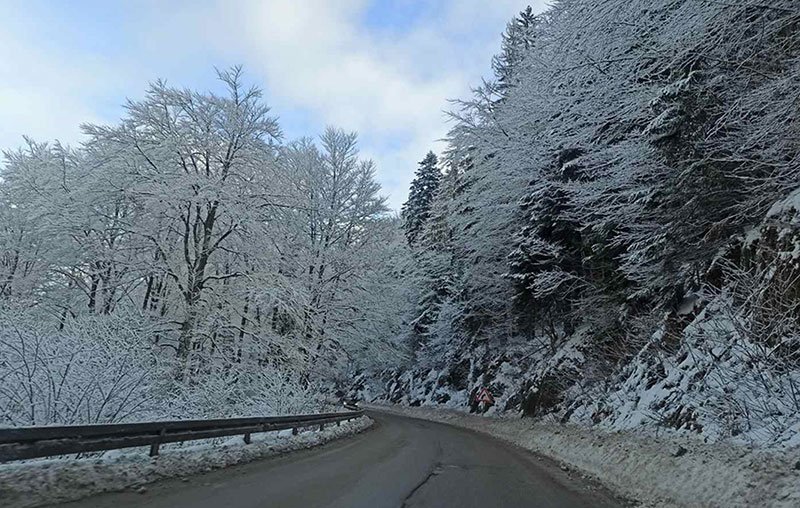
[655,470]
[40,482]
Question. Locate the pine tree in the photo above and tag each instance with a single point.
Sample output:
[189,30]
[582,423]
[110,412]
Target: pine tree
[516,41]
[417,209]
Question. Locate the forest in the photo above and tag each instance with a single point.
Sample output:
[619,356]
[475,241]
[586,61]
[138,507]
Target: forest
[187,262]
[610,238]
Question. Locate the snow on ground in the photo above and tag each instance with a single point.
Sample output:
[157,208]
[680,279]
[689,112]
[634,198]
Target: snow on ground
[38,482]
[659,471]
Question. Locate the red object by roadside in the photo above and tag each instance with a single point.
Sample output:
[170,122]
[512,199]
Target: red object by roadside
[485,396]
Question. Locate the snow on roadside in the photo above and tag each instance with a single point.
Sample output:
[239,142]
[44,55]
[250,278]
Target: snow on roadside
[658,471]
[39,482]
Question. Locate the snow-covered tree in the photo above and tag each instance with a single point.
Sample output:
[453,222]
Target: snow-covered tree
[417,210]
[224,266]
[623,153]
[516,43]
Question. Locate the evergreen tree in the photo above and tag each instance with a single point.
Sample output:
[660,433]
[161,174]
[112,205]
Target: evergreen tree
[516,41]
[417,209]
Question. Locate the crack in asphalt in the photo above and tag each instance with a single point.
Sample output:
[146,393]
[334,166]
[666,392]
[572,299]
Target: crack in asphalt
[433,472]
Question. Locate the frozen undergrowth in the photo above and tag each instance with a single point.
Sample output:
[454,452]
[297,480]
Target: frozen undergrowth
[714,379]
[39,482]
[657,471]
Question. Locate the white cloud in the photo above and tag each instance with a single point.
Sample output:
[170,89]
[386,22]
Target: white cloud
[315,56]
[320,57]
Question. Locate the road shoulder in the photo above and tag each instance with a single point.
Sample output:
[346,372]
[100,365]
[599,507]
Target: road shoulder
[49,481]
[656,471]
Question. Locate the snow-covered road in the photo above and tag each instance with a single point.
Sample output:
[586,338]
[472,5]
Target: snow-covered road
[401,462]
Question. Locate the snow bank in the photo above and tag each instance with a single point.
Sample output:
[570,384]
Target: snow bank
[39,482]
[658,471]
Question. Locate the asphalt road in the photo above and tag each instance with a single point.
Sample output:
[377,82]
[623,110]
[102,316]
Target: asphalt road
[400,462]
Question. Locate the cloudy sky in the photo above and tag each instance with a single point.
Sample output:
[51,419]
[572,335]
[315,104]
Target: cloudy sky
[384,68]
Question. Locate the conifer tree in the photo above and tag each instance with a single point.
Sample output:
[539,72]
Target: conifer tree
[516,42]
[417,209]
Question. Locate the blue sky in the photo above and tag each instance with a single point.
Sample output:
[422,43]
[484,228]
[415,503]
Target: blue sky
[384,68]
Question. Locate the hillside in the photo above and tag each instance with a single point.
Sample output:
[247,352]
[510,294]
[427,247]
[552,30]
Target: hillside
[613,239]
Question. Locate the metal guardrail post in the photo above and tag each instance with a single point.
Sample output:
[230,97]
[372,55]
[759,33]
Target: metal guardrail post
[157,443]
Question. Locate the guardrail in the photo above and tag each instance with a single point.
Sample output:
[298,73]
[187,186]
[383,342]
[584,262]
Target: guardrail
[32,442]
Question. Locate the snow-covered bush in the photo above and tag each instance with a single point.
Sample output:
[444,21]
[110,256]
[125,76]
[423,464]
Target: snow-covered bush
[106,369]
[244,391]
[94,370]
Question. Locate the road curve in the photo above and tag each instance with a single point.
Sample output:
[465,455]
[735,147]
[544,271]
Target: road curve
[401,462]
